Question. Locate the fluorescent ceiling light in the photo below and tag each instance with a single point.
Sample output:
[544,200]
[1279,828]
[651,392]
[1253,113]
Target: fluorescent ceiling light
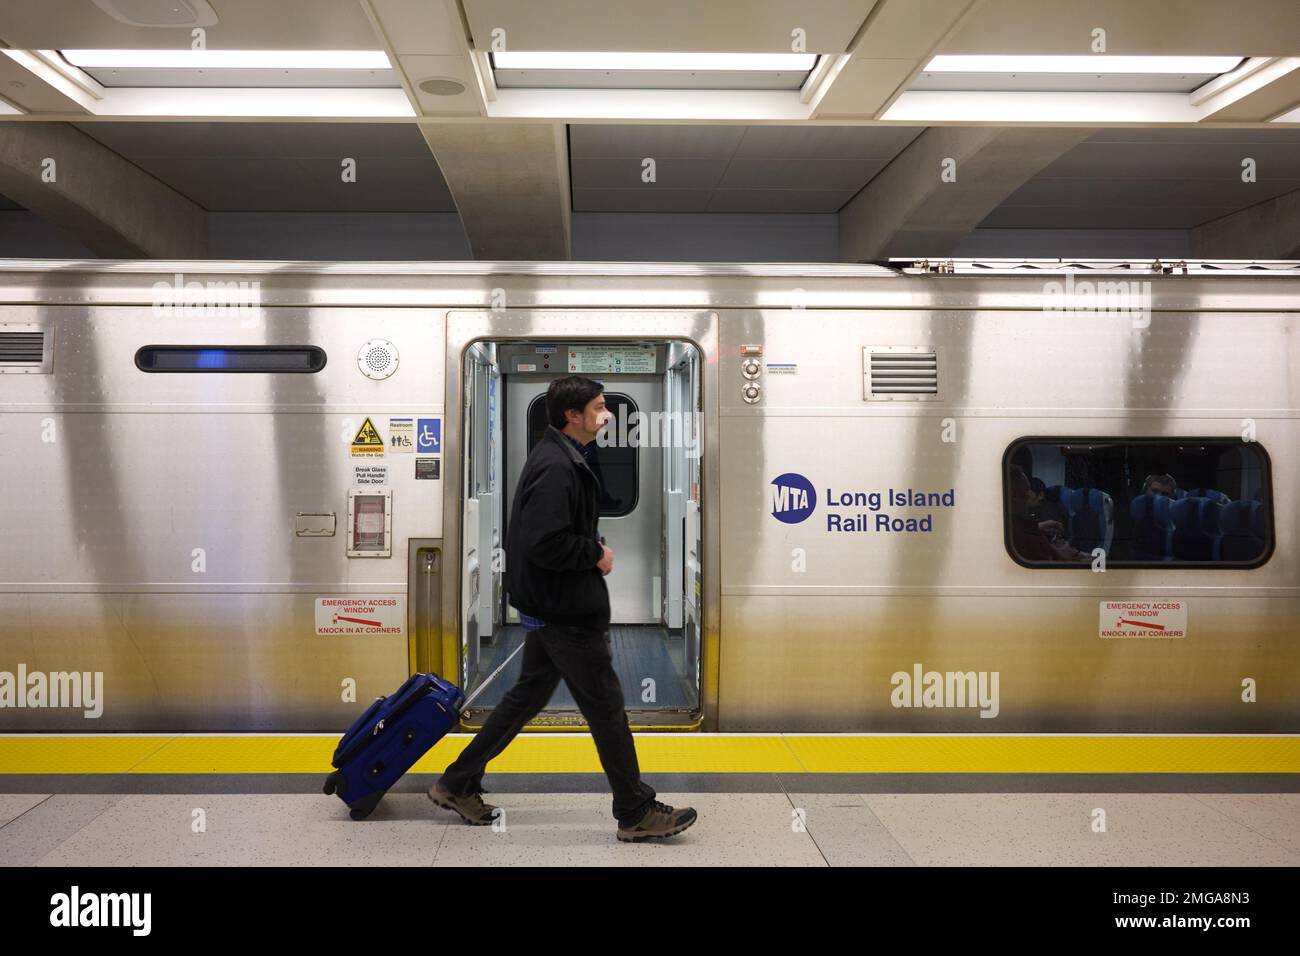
[1097,63]
[229,59]
[671,62]
[652,71]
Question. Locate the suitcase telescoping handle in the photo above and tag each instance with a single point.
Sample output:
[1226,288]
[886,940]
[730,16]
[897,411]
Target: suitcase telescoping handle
[491,677]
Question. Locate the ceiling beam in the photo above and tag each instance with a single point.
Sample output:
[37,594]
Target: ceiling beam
[1259,90]
[39,81]
[889,51]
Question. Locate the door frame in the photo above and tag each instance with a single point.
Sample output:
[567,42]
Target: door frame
[700,329]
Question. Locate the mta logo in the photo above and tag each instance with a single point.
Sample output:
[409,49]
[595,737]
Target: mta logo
[793,498]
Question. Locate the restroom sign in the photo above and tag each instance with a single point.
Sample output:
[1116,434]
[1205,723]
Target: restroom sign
[401,435]
[345,615]
[1142,619]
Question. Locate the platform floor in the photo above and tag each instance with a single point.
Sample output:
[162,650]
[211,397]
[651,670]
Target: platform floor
[788,800]
[575,829]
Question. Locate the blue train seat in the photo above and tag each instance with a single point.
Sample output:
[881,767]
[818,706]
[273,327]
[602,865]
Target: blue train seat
[1196,529]
[1242,524]
[1153,528]
[1092,518]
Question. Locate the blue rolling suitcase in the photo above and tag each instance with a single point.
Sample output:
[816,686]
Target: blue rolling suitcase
[393,734]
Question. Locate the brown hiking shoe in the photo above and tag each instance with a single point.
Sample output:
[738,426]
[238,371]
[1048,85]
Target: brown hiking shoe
[660,820]
[471,807]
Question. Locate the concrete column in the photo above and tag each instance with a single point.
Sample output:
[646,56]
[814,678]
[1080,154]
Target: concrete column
[909,208]
[511,186]
[1267,230]
[98,198]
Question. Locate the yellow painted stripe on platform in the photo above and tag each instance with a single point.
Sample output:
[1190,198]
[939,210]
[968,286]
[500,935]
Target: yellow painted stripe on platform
[676,753]
[28,754]
[959,754]
[234,755]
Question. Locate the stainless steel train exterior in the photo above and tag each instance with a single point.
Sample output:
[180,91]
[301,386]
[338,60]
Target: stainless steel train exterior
[172,532]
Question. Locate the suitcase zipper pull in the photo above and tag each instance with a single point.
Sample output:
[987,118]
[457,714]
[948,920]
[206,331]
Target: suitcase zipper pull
[378,727]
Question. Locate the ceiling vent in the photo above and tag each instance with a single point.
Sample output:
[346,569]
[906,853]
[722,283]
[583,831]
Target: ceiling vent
[899,373]
[25,348]
[160,13]
[442,86]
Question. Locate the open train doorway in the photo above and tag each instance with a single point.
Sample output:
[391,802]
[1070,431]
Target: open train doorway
[649,462]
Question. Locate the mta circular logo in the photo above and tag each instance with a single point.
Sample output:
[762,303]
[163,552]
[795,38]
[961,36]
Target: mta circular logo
[793,498]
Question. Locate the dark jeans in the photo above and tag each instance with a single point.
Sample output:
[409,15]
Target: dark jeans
[582,657]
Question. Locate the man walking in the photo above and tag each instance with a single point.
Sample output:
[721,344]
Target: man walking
[555,576]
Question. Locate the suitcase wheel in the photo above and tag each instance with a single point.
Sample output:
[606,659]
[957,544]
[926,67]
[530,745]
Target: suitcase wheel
[334,782]
[363,807]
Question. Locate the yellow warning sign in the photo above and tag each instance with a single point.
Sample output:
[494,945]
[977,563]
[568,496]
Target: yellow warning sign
[367,443]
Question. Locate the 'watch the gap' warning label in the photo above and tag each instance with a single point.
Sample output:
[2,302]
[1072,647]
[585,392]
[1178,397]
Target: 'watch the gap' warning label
[367,443]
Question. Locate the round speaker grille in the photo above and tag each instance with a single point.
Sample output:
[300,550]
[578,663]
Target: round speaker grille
[377,359]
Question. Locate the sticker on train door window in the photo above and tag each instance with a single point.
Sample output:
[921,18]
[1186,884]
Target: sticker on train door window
[348,615]
[1142,619]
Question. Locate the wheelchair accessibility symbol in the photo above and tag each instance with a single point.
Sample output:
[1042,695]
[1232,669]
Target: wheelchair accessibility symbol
[428,436]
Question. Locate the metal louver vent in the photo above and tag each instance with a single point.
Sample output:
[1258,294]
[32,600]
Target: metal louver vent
[900,373]
[24,348]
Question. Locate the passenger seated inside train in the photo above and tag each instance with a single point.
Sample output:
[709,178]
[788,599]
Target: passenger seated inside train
[1032,539]
[1160,485]
[1222,516]
[1046,505]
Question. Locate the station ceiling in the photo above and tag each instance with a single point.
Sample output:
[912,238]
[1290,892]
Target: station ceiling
[441,124]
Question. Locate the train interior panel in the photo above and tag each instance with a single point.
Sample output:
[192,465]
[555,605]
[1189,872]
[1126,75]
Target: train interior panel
[648,463]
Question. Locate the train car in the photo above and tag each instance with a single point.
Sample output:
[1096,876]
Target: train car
[906,497]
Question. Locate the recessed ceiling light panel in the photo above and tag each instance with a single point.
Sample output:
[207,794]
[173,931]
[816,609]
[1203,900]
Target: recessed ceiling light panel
[1097,63]
[1096,73]
[185,69]
[673,70]
[231,59]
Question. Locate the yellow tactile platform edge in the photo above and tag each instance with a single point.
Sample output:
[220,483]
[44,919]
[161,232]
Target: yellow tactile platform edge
[677,753]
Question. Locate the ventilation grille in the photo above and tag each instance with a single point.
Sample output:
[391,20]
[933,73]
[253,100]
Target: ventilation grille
[23,349]
[900,373]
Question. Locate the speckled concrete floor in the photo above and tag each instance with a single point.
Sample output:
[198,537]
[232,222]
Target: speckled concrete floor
[576,829]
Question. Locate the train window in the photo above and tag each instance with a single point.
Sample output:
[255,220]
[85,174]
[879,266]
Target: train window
[1145,502]
[615,465]
[230,358]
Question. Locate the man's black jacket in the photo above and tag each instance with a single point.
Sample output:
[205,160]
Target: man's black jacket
[551,544]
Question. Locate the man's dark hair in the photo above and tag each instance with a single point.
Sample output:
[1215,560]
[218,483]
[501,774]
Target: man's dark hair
[1038,486]
[1167,480]
[572,391]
